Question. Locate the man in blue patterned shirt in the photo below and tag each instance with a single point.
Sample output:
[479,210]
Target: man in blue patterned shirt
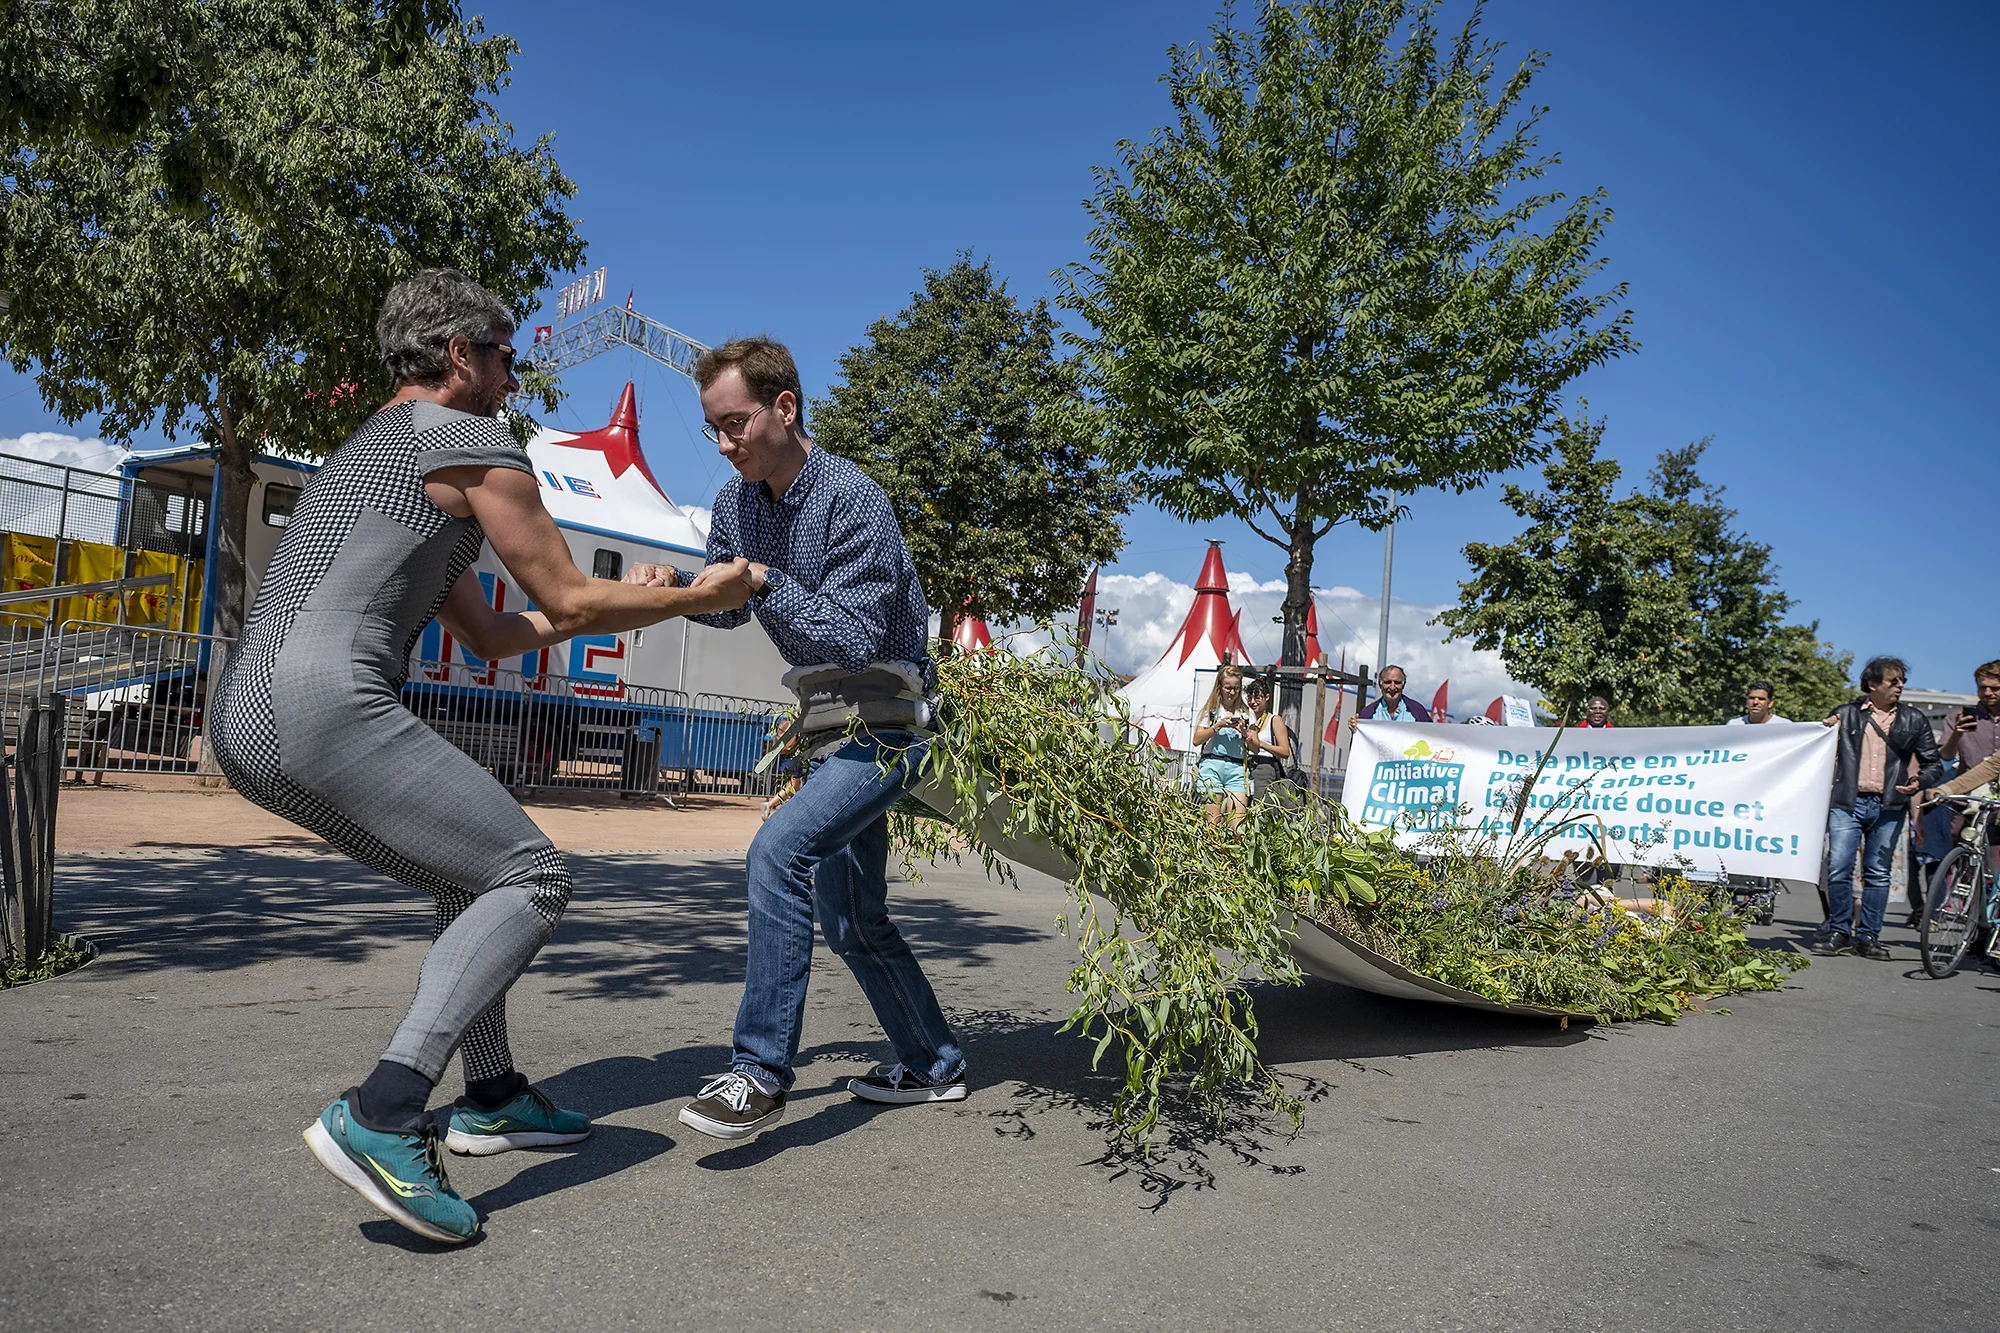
[833,585]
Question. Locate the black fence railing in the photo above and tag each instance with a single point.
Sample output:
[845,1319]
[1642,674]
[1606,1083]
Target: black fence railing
[31,780]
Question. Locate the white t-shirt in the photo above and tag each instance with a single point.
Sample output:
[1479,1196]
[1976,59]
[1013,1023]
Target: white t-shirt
[1745,720]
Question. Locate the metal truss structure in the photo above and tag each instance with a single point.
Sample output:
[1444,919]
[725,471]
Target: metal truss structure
[612,328]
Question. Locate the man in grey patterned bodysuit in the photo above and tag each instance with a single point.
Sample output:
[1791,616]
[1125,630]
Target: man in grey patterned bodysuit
[307,721]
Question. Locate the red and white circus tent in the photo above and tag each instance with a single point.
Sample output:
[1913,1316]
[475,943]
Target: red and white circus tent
[1162,698]
[970,635]
[599,482]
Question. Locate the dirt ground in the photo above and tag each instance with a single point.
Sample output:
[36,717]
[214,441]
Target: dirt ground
[149,812]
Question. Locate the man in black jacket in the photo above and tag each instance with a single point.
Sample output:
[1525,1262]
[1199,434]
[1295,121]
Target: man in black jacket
[1872,786]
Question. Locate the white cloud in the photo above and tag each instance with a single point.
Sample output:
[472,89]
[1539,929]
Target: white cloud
[92,455]
[1152,606]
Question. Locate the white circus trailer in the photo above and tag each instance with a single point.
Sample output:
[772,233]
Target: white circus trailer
[612,512]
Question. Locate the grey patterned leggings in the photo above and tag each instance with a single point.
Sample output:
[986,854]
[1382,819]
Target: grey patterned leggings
[394,795]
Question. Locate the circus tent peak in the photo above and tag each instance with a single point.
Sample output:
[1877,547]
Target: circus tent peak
[1210,621]
[618,441]
[599,480]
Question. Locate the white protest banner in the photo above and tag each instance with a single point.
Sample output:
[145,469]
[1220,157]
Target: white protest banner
[1749,800]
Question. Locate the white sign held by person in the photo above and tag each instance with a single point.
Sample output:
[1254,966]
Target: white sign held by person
[1749,800]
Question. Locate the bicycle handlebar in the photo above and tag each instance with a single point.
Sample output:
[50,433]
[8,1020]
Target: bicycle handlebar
[1963,800]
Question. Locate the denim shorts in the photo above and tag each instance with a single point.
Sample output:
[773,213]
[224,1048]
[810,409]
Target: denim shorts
[1224,775]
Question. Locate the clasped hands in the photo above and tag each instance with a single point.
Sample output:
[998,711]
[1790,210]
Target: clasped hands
[729,583]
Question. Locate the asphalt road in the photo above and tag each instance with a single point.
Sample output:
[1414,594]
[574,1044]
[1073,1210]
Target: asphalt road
[1827,1157]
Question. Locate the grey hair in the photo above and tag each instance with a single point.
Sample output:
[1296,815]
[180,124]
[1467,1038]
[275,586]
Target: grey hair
[426,311]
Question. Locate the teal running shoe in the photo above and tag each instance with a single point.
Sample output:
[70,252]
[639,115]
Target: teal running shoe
[401,1174]
[530,1120]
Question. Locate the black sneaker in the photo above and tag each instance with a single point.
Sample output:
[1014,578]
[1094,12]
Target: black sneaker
[733,1106]
[1867,946]
[1833,942]
[899,1087]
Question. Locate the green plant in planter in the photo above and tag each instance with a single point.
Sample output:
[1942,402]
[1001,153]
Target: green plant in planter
[1173,914]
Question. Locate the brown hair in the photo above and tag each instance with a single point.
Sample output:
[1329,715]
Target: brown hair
[1987,671]
[766,365]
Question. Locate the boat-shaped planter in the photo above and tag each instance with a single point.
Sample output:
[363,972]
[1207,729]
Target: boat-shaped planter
[1321,950]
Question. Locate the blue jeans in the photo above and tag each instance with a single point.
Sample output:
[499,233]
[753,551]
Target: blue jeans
[827,850]
[1846,831]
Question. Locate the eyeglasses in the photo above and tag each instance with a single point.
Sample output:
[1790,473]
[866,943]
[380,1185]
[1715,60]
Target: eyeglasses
[508,359]
[732,426]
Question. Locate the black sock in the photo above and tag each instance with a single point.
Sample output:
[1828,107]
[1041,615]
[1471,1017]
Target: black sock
[493,1093]
[391,1100]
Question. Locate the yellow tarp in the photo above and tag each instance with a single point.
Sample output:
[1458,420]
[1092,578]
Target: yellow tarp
[156,606]
[30,563]
[91,562]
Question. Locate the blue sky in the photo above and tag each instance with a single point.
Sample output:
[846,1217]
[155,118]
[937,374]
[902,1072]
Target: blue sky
[1800,191]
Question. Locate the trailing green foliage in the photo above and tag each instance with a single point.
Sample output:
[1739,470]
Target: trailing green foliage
[1173,913]
[63,955]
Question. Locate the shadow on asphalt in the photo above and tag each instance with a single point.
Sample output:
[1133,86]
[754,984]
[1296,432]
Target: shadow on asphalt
[639,927]
[635,928]
[609,1150]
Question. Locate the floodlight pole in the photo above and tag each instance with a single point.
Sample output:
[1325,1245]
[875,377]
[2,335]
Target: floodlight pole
[1388,564]
[1108,617]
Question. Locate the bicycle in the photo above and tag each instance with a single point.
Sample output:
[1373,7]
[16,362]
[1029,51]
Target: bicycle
[1964,898]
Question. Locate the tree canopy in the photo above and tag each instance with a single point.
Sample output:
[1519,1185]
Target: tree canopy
[957,408]
[1653,598]
[1322,288]
[217,267]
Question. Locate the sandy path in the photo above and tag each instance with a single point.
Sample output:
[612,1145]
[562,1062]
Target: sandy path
[141,812]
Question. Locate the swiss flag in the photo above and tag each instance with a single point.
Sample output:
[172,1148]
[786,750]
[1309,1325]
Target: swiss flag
[1438,702]
[543,333]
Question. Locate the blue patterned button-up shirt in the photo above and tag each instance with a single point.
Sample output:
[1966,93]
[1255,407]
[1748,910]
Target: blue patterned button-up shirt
[841,588]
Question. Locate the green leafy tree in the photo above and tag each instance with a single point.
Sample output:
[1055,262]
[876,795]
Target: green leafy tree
[1321,288]
[108,68]
[1652,598]
[217,267]
[956,407]
[1808,678]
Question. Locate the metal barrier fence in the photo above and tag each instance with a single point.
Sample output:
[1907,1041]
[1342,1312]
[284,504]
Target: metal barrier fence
[136,694]
[549,731]
[133,693]
[724,738]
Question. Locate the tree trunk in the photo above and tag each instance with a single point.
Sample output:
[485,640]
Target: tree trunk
[1298,601]
[1298,556]
[232,525]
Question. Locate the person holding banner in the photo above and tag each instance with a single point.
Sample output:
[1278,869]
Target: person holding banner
[1759,704]
[1391,706]
[1879,735]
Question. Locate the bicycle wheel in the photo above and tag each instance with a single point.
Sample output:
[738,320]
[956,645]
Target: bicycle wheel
[1953,907]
